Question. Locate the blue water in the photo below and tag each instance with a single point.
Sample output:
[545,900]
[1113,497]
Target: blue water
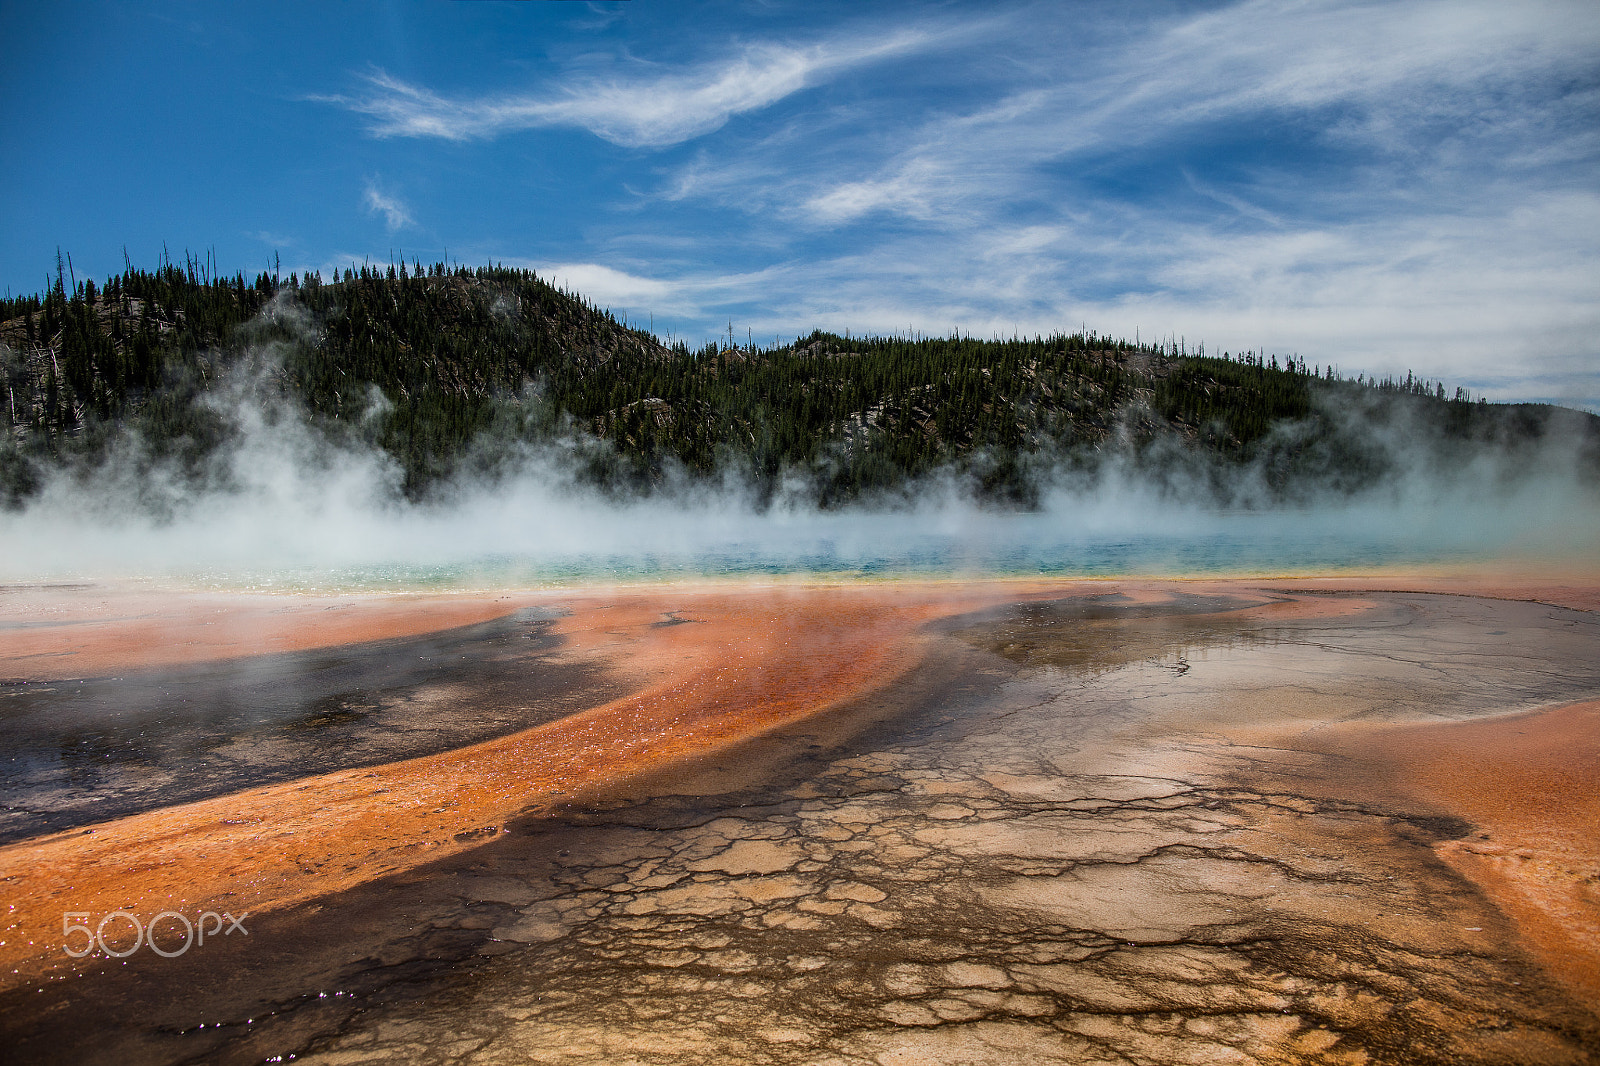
[1217,553]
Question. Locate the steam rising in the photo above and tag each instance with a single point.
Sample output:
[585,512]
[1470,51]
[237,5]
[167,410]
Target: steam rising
[286,506]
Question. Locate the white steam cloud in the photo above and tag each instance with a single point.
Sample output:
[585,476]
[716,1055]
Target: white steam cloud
[290,508]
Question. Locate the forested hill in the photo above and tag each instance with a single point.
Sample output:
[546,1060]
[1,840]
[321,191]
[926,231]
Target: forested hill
[449,367]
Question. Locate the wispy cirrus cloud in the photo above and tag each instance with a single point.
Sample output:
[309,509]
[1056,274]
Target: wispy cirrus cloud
[644,110]
[1387,185]
[396,215]
[1464,298]
[684,295]
[1432,81]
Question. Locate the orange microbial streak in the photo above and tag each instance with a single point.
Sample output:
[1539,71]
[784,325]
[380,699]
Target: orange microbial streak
[1530,785]
[741,663]
[60,632]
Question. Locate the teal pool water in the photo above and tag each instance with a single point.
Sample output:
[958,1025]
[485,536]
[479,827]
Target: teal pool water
[489,542]
[1215,553]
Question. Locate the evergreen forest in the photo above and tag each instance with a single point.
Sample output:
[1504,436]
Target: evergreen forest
[453,370]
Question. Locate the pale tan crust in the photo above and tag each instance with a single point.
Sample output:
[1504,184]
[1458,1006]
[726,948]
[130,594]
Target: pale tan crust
[1530,785]
[753,661]
[1562,585]
[63,632]
[1530,782]
[757,657]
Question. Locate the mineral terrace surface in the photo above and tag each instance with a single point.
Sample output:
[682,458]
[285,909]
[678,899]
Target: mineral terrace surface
[1100,828]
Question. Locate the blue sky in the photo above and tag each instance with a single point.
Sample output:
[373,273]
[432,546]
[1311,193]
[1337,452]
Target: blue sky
[1390,186]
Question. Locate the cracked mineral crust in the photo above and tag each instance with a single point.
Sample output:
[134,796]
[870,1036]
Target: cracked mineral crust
[1048,844]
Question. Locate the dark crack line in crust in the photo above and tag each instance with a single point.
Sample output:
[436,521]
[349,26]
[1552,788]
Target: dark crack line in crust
[652,972]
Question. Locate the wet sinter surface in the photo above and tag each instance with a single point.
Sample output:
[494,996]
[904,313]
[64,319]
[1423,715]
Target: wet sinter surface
[1034,849]
[82,750]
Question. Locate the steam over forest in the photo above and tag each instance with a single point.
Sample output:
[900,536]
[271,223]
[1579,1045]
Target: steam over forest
[451,370]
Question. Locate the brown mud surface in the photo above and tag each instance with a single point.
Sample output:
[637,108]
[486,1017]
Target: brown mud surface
[999,823]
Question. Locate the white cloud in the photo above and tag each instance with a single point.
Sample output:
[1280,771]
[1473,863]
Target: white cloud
[649,111]
[1400,76]
[1446,227]
[1226,199]
[1495,300]
[910,191]
[608,286]
[687,295]
[1443,235]
[395,213]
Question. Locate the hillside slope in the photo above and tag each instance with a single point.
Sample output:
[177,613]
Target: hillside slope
[450,368]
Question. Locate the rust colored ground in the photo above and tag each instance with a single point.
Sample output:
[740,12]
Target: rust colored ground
[745,660]
[740,665]
[59,632]
[748,660]
[1530,784]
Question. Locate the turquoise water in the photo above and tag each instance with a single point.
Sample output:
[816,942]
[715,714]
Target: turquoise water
[494,542]
[1217,553]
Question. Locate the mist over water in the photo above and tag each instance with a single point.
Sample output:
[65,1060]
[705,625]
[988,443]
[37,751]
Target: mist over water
[285,507]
